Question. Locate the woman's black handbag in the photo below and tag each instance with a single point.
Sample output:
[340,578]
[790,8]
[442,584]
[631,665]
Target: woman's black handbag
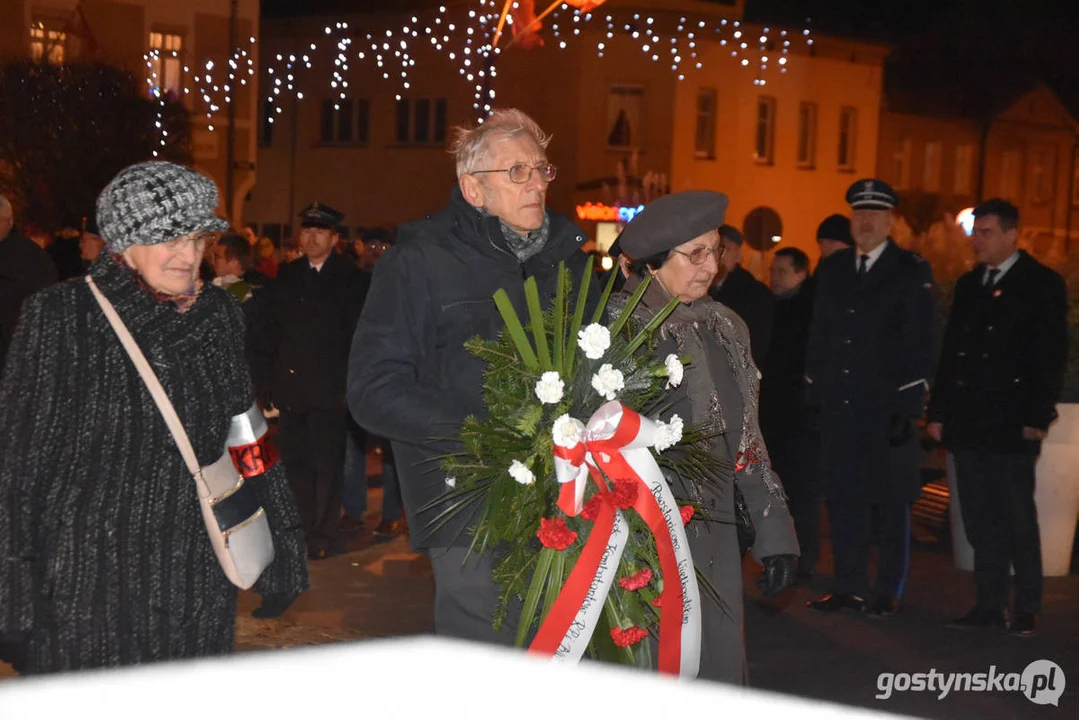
[747,532]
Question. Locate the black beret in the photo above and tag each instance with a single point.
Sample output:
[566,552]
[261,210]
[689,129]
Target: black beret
[871,194]
[318,215]
[835,227]
[730,232]
[672,220]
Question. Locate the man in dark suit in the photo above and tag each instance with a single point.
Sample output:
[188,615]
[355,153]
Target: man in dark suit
[300,334]
[869,354]
[1000,376]
[783,417]
[746,295]
[24,269]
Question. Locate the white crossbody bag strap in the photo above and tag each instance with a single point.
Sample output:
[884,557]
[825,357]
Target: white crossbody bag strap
[161,398]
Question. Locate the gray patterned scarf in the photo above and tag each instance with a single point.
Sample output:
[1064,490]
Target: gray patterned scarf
[528,245]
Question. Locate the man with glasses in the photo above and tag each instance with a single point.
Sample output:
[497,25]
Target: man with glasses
[412,381]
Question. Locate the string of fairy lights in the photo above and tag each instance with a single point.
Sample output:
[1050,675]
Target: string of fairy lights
[465,38]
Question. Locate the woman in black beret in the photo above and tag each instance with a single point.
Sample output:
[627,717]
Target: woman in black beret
[675,241]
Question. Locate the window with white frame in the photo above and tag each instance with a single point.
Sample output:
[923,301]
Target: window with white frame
[807,135]
[848,135]
[47,43]
[1043,174]
[344,122]
[764,148]
[421,121]
[964,169]
[704,145]
[901,168]
[1011,174]
[166,63]
[931,168]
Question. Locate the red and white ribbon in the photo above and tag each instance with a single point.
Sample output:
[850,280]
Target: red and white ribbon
[618,441]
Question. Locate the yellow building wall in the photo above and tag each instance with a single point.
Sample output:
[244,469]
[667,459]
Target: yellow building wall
[801,197]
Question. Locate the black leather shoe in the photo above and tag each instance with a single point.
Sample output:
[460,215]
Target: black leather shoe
[979,619]
[1023,625]
[836,602]
[884,606]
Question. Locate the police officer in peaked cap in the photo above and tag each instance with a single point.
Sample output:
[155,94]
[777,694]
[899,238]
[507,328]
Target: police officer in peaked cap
[300,333]
[867,364]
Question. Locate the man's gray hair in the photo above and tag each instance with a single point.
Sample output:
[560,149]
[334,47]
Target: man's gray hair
[5,207]
[471,145]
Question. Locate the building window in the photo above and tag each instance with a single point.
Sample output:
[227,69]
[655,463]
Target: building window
[901,169]
[624,131]
[1043,175]
[704,145]
[166,67]
[344,122]
[964,161]
[766,127]
[807,135]
[931,171]
[1011,167]
[421,121]
[46,44]
[266,123]
[848,135]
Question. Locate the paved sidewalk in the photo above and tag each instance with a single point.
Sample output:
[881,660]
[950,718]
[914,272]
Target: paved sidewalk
[383,590]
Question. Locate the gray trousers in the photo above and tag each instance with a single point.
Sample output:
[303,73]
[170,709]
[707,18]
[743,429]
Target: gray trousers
[466,596]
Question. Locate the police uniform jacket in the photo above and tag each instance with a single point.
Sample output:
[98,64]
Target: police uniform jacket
[1002,363]
[300,333]
[411,379]
[868,357]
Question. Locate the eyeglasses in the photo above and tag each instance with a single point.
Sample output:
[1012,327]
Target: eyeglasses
[698,255]
[520,174]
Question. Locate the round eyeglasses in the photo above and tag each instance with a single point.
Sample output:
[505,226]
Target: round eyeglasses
[520,174]
[698,255]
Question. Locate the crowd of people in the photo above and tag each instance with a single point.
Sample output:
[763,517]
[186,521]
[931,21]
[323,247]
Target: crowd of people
[814,386]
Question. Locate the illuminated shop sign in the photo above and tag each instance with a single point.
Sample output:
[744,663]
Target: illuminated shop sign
[607,213]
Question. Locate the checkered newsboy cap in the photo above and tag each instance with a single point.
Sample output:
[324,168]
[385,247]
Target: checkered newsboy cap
[153,202]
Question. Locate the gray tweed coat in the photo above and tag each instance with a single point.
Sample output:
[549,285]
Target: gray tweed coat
[104,557]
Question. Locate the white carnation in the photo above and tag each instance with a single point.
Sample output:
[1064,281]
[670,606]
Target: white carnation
[567,431]
[608,381]
[521,473]
[594,340]
[451,481]
[668,434]
[675,371]
[549,388]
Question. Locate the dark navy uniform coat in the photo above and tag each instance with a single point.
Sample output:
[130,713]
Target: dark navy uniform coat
[868,359]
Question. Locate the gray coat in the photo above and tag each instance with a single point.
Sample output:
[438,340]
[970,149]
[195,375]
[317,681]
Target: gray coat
[720,390]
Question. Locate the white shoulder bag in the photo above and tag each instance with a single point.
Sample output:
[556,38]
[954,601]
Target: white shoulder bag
[238,528]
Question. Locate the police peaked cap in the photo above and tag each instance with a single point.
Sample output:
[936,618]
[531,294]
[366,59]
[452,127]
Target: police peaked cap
[871,194]
[672,220]
[317,215]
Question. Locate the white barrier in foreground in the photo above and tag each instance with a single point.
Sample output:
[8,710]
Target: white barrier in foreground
[411,678]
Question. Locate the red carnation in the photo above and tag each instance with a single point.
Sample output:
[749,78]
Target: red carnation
[624,494]
[590,511]
[554,534]
[629,636]
[657,601]
[636,581]
[686,511]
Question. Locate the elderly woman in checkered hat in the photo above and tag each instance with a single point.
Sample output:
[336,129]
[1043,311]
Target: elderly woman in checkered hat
[105,558]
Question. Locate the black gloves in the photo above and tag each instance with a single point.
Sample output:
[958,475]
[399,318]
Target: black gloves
[898,430]
[264,398]
[273,606]
[779,574]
